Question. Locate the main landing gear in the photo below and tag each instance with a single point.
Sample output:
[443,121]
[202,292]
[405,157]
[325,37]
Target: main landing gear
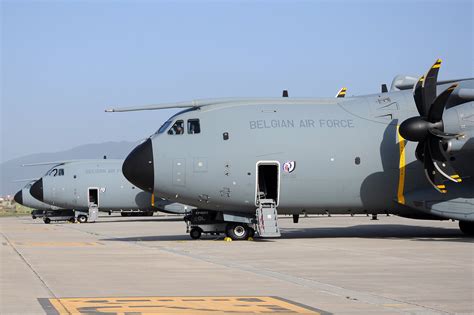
[215,223]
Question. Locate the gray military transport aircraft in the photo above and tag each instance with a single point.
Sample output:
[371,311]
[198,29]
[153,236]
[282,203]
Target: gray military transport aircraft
[83,185]
[408,151]
[24,197]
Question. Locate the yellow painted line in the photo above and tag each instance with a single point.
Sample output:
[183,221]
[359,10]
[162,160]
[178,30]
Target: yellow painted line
[188,305]
[56,244]
[401,167]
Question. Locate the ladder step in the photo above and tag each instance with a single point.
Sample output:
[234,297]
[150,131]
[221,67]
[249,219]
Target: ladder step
[267,222]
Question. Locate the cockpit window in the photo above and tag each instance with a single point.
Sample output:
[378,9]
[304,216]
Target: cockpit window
[164,126]
[53,172]
[194,126]
[177,129]
[56,172]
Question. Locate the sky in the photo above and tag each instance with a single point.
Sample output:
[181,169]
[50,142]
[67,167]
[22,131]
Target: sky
[64,62]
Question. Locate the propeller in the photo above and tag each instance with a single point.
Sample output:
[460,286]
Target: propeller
[428,129]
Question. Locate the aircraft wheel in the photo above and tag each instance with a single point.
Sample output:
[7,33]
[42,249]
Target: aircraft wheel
[237,231]
[33,217]
[72,220]
[82,218]
[467,227]
[47,220]
[195,233]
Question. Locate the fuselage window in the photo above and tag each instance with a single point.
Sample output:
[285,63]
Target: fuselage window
[194,126]
[164,126]
[177,129]
[61,172]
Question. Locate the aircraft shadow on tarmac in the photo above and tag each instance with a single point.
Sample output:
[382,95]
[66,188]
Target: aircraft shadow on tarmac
[139,219]
[385,231]
[380,231]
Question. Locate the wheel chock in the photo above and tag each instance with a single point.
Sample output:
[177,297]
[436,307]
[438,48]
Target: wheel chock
[250,239]
[227,239]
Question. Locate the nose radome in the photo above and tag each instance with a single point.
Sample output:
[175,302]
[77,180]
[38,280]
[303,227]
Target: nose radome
[138,166]
[18,197]
[36,190]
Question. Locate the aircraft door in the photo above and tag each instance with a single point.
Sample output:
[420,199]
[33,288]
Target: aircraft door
[268,182]
[179,172]
[93,197]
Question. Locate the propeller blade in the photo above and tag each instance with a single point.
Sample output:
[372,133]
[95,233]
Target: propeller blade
[420,151]
[429,86]
[418,96]
[440,134]
[432,174]
[441,160]
[436,111]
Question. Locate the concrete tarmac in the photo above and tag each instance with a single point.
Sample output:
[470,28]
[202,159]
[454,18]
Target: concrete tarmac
[135,265]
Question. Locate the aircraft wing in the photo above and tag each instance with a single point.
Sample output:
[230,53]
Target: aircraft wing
[48,163]
[188,104]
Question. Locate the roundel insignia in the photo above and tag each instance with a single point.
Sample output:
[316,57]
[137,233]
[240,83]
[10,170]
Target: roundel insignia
[289,166]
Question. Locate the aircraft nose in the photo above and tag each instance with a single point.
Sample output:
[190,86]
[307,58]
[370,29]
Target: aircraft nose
[36,190]
[18,197]
[138,166]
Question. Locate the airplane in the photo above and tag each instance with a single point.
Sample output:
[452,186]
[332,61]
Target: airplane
[407,151]
[85,184]
[24,198]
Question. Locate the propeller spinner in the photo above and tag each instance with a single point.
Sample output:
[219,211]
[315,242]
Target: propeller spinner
[428,129]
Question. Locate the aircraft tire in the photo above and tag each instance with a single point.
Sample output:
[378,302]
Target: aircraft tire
[237,231]
[195,233]
[72,220]
[47,220]
[33,217]
[82,219]
[467,228]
